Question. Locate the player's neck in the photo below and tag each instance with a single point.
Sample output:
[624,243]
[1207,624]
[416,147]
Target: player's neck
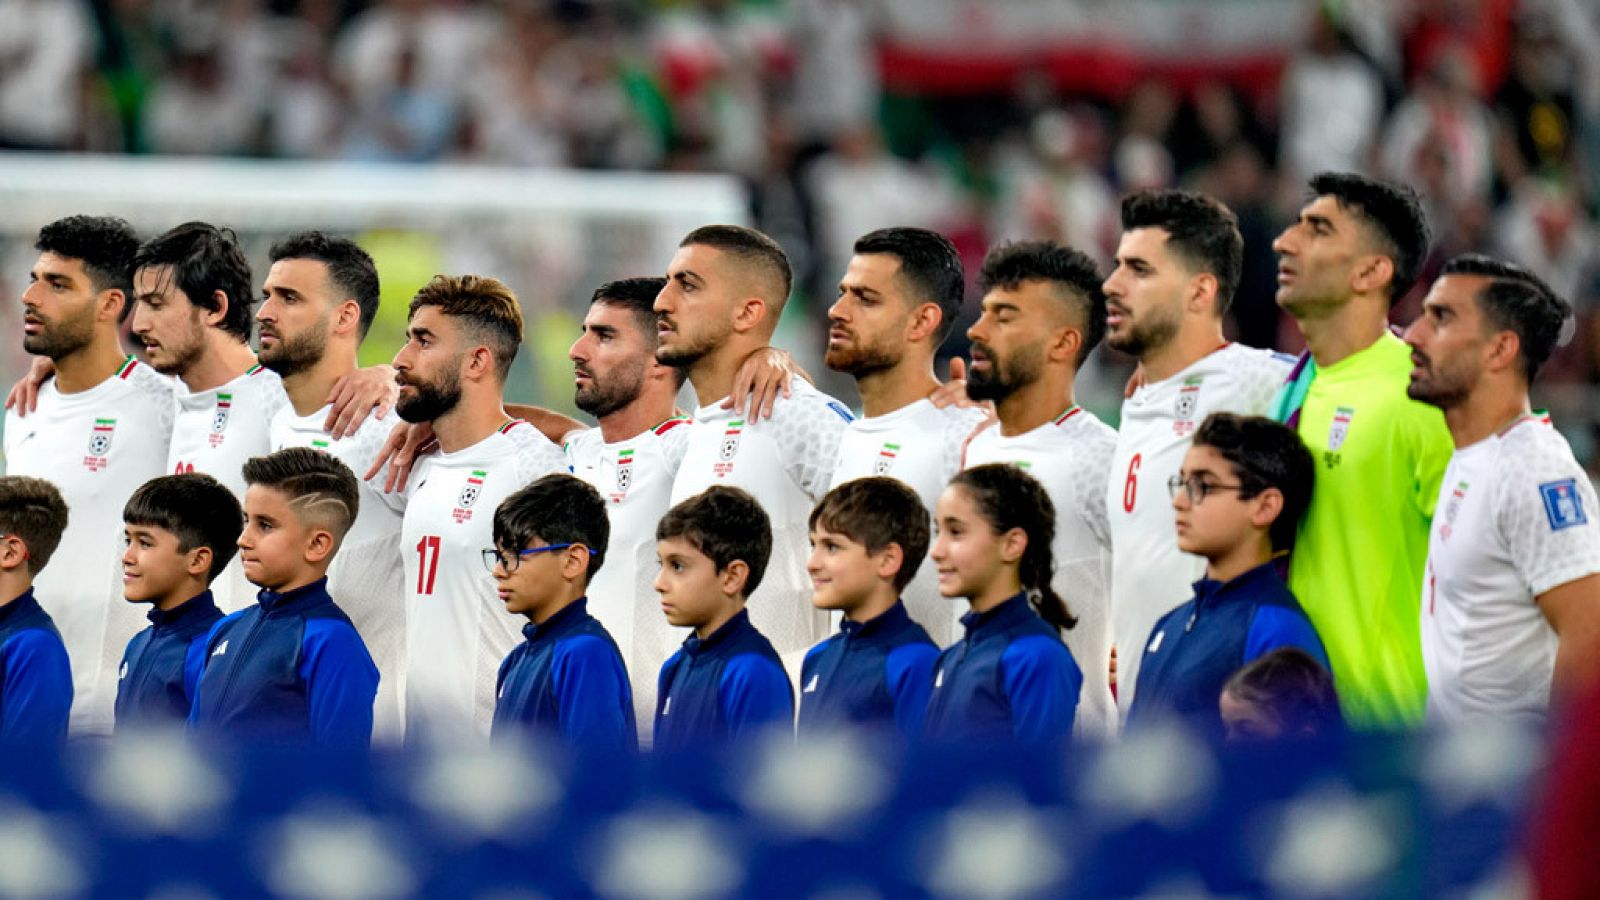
[1032,405]
[888,390]
[310,388]
[653,406]
[472,420]
[1352,328]
[224,360]
[881,601]
[1249,555]
[92,364]
[1487,412]
[713,374]
[1186,348]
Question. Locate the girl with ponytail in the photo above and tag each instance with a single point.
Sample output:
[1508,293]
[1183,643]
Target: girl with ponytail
[1010,677]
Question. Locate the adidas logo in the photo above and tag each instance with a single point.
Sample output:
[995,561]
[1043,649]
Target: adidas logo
[938,680]
[812,687]
[1155,644]
[666,708]
[124,673]
[221,649]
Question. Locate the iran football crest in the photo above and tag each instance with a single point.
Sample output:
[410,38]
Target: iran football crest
[624,472]
[1188,401]
[729,449]
[1340,429]
[885,460]
[99,444]
[1452,507]
[219,419]
[469,495]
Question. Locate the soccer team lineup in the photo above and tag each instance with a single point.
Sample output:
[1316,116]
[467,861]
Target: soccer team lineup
[245,543]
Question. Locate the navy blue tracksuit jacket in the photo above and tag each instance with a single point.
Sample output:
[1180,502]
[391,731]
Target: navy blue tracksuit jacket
[567,679]
[290,669]
[162,664]
[728,686]
[876,673]
[1196,648]
[35,677]
[1009,679]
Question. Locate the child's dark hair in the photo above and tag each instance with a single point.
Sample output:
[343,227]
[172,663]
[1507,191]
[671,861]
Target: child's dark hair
[1007,498]
[196,509]
[32,509]
[104,244]
[557,509]
[205,259]
[1264,455]
[877,512]
[1294,688]
[725,524]
[320,488]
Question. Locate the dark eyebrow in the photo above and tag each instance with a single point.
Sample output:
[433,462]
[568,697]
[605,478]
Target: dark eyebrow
[1319,220]
[686,275]
[1133,261]
[418,332]
[1000,306]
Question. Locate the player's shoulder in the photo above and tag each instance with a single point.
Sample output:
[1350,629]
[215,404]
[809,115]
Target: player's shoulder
[1083,426]
[673,434]
[809,406]
[582,442]
[534,453]
[1534,452]
[143,379]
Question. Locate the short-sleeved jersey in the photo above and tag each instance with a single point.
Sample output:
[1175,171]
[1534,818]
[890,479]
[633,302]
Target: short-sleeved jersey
[1516,517]
[1149,574]
[97,446]
[921,445]
[635,478]
[215,432]
[458,631]
[785,462]
[1359,558]
[367,574]
[1071,457]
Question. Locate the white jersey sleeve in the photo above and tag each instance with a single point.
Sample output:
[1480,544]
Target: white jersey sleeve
[1546,514]
[808,429]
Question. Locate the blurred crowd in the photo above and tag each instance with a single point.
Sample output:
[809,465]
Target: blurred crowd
[1490,108]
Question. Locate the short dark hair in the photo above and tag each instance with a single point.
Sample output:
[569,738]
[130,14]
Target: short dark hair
[1264,454]
[487,307]
[105,245]
[1202,231]
[319,486]
[725,524]
[205,259]
[557,509]
[1072,271]
[1517,300]
[1294,688]
[196,508]
[930,265]
[1391,212]
[32,509]
[877,512]
[637,295]
[749,246]
[350,268]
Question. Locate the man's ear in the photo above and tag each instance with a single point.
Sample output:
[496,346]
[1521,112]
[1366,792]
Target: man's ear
[1372,273]
[749,314]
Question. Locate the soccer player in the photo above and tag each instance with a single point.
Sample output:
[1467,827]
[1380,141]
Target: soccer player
[1043,311]
[35,677]
[1175,273]
[291,668]
[1359,558]
[726,287]
[898,300]
[726,683]
[567,680]
[317,302]
[868,537]
[1511,604]
[463,335]
[100,429]
[182,530]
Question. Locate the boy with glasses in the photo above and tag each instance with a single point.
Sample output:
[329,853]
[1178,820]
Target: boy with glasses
[1243,488]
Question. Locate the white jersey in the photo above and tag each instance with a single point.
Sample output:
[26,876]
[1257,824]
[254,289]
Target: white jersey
[366,576]
[1071,457]
[919,444]
[97,446]
[1515,518]
[1149,574]
[458,631]
[635,478]
[785,463]
[215,432]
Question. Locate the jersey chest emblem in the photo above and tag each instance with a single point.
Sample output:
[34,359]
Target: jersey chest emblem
[219,419]
[729,449]
[99,444]
[1338,432]
[1452,508]
[469,495]
[1188,401]
[624,475]
[1563,508]
[886,458]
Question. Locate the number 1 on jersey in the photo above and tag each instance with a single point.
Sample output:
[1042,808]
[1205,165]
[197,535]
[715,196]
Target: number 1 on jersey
[429,569]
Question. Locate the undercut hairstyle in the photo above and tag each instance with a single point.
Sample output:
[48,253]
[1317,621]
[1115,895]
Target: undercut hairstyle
[1517,300]
[753,249]
[1201,231]
[1073,274]
[1294,689]
[930,266]
[106,246]
[31,509]
[1265,455]
[725,524]
[1391,213]
[196,509]
[1007,497]
[637,295]
[488,310]
[557,509]
[205,260]
[351,270]
[877,512]
[321,490]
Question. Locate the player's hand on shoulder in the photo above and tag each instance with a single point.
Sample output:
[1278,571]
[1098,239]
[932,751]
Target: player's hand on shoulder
[406,444]
[954,392]
[762,376]
[358,394]
[24,395]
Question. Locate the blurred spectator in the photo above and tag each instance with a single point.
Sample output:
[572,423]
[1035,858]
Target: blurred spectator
[1538,104]
[836,80]
[194,109]
[405,122]
[1443,124]
[45,48]
[1332,107]
[440,42]
[1057,190]
[1545,229]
